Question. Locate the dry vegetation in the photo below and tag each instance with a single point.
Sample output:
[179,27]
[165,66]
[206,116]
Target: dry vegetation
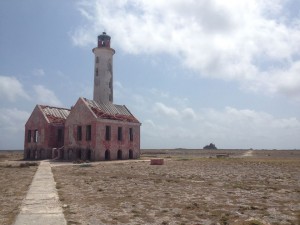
[193,187]
[15,179]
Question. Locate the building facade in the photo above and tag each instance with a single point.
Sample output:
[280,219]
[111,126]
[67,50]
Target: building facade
[44,132]
[91,130]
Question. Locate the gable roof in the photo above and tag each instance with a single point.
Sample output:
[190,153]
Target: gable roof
[54,114]
[110,111]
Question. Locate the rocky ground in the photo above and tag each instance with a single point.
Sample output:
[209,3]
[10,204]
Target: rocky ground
[15,178]
[193,187]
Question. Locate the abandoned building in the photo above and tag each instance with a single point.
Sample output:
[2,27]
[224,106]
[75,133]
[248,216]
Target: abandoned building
[92,129]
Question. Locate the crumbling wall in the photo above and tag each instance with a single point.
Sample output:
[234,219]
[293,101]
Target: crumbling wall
[128,148]
[36,131]
[41,136]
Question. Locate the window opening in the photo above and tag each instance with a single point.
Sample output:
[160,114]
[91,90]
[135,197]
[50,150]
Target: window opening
[36,136]
[119,133]
[29,136]
[107,133]
[59,135]
[130,134]
[79,133]
[89,132]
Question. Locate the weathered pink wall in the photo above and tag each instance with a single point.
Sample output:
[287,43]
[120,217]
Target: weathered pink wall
[81,116]
[47,136]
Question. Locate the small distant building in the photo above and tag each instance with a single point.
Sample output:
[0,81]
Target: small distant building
[92,129]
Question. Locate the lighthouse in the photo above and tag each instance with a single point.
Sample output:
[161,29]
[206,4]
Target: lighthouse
[103,70]
[91,130]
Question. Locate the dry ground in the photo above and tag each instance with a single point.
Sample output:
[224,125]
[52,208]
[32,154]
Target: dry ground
[193,187]
[14,183]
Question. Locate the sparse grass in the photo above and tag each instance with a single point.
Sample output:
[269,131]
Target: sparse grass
[73,223]
[188,189]
[224,220]
[184,159]
[86,165]
[251,222]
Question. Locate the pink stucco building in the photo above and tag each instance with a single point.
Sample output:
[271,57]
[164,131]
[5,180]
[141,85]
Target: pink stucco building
[92,129]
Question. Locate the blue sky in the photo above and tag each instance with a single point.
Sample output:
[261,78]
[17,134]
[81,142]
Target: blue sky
[193,72]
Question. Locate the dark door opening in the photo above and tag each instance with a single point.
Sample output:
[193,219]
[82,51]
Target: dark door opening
[130,154]
[89,154]
[28,154]
[79,153]
[62,154]
[107,155]
[119,154]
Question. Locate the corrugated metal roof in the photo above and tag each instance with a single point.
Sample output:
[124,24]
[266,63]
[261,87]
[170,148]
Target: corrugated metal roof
[55,114]
[111,111]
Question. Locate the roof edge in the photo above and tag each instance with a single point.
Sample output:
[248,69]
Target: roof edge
[41,109]
[87,105]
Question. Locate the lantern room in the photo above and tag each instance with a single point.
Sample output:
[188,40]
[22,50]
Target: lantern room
[104,40]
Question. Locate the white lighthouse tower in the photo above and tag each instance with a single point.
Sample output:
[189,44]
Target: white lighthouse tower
[103,73]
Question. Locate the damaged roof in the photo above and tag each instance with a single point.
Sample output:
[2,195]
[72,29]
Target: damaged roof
[55,114]
[111,111]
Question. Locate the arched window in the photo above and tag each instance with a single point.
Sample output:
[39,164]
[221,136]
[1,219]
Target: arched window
[28,154]
[78,153]
[107,155]
[130,154]
[89,155]
[119,154]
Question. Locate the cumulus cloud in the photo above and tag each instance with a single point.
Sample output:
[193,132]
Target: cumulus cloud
[183,114]
[13,119]
[12,89]
[12,122]
[229,128]
[171,122]
[254,42]
[162,109]
[46,96]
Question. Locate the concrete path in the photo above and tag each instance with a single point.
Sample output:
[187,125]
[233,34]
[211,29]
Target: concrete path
[41,205]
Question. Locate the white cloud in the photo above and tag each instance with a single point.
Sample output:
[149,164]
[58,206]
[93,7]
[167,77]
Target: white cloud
[38,72]
[228,128]
[189,113]
[46,96]
[251,41]
[13,119]
[162,109]
[11,89]
[170,122]
[159,93]
[12,122]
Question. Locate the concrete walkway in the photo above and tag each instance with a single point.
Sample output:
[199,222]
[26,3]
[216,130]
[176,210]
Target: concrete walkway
[41,205]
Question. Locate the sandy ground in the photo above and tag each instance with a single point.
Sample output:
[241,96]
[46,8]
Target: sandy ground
[14,183]
[193,187]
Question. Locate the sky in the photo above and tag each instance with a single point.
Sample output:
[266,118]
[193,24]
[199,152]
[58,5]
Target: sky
[193,72]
